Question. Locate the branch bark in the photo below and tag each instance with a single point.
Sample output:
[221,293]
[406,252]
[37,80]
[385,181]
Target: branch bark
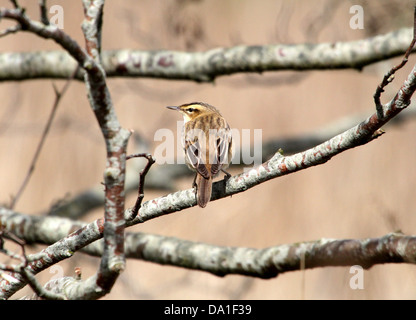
[208,65]
[270,262]
[218,260]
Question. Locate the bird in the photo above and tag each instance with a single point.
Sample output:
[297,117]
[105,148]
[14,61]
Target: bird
[207,143]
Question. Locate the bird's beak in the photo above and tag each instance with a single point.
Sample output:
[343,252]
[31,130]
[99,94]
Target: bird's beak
[173,108]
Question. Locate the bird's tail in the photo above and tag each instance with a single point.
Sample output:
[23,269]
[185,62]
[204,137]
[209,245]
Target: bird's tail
[204,190]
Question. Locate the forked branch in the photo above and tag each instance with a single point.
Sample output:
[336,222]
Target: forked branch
[389,76]
[131,213]
[21,272]
[115,137]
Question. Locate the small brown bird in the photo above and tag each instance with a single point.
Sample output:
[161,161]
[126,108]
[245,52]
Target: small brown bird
[207,142]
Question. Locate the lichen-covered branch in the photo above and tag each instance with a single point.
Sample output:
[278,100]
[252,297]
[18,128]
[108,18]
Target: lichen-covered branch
[116,137]
[270,262]
[219,260]
[207,65]
[49,230]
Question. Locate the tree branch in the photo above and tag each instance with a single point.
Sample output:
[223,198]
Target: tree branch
[263,263]
[208,65]
[142,176]
[43,12]
[270,262]
[60,249]
[113,261]
[389,76]
[21,270]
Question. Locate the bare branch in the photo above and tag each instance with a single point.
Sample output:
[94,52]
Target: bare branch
[40,291]
[22,269]
[270,262]
[389,76]
[15,4]
[10,30]
[55,290]
[49,32]
[264,263]
[59,250]
[115,137]
[208,65]
[43,12]
[4,234]
[92,25]
[142,176]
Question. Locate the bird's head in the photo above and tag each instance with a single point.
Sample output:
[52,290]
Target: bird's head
[194,109]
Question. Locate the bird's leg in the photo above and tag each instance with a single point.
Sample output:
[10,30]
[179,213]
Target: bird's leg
[227,175]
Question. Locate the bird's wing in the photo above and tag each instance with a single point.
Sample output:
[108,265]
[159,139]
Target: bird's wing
[221,145]
[194,145]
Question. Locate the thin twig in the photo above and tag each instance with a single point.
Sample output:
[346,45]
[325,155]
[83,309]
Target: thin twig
[10,30]
[12,237]
[40,291]
[15,4]
[43,12]
[142,175]
[4,234]
[389,76]
[58,97]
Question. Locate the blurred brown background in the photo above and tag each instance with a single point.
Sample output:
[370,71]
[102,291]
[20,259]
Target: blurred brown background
[364,192]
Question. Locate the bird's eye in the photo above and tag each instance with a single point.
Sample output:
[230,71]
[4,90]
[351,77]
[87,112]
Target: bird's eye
[190,110]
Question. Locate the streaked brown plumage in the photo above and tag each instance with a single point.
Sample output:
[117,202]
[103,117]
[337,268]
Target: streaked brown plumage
[207,142]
